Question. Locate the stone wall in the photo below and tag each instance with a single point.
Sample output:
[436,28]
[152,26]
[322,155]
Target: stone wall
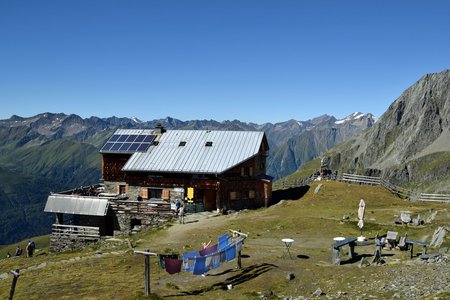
[68,243]
[127,223]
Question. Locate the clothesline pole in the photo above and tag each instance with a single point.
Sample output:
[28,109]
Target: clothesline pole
[238,232]
[147,255]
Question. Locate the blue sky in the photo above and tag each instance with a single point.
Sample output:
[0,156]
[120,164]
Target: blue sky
[256,61]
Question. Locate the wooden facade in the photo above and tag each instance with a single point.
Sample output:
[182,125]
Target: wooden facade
[245,185]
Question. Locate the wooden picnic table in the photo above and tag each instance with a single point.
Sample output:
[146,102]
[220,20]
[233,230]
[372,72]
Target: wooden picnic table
[411,244]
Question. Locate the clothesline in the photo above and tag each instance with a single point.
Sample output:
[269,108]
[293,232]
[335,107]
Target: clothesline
[200,262]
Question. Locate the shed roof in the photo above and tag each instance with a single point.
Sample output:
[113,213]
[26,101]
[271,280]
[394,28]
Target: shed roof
[197,151]
[76,205]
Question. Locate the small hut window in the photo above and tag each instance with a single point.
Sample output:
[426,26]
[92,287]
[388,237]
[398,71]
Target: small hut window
[251,194]
[182,143]
[233,196]
[208,144]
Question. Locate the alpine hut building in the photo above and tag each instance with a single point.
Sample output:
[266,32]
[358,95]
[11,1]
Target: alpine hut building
[144,172]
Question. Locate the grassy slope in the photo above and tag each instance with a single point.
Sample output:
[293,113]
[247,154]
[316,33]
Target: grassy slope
[311,221]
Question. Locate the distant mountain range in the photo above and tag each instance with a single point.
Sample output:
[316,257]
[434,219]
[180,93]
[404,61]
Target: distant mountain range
[410,144]
[54,152]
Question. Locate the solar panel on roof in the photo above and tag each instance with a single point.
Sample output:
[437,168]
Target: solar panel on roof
[133,147]
[114,138]
[149,138]
[139,139]
[122,138]
[143,147]
[107,146]
[128,143]
[131,138]
[124,147]
[116,146]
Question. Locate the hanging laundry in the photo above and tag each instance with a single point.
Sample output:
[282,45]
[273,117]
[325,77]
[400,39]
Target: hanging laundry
[223,241]
[223,257]
[216,260]
[173,266]
[199,266]
[209,250]
[208,262]
[188,260]
[164,256]
[239,243]
[230,252]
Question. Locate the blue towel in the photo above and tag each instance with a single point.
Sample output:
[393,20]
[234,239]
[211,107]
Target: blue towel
[188,259]
[223,258]
[215,260]
[223,241]
[230,252]
[200,266]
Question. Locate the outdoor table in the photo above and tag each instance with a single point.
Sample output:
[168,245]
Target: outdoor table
[288,244]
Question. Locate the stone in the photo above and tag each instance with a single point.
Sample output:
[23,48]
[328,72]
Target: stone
[318,292]
[438,237]
[317,190]
[290,276]
[363,263]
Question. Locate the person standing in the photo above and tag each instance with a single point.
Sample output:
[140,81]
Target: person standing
[181,213]
[177,206]
[30,248]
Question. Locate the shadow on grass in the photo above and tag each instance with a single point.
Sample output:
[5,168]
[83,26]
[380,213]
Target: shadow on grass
[243,275]
[192,221]
[358,257]
[289,194]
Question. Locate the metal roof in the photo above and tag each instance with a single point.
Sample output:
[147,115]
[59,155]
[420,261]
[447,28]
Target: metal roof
[228,149]
[134,131]
[76,205]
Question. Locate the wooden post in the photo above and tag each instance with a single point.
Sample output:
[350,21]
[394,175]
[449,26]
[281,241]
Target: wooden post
[147,255]
[351,252]
[335,257]
[13,284]
[147,274]
[238,232]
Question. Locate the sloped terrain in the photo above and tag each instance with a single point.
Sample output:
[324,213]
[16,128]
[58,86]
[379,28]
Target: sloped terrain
[311,219]
[414,129]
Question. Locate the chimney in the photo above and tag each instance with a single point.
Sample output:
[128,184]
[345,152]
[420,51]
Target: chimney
[159,129]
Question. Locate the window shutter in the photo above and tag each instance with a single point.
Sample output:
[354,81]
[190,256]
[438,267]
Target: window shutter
[117,188]
[166,194]
[144,193]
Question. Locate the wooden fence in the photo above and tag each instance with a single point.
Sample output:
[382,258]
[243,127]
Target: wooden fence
[399,191]
[141,207]
[372,180]
[73,231]
[361,179]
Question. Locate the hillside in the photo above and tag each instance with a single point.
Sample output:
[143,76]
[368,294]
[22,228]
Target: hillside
[410,144]
[296,151]
[54,152]
[112,271]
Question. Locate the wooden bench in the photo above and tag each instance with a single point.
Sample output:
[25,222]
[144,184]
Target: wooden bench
[336,249]
[411,244]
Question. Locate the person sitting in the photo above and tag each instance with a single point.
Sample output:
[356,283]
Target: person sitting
[19,251]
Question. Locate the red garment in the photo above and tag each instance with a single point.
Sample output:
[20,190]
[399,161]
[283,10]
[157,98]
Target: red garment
[173,265]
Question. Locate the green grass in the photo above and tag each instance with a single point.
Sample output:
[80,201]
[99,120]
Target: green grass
[312,221]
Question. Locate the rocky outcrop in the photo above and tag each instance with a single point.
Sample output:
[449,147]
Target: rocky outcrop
[414,128]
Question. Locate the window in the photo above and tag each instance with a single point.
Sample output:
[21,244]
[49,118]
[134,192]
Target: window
[122,189]
[233,196]
[251,194]
[208,144]
[154,193]
[246,171]
[182,143]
